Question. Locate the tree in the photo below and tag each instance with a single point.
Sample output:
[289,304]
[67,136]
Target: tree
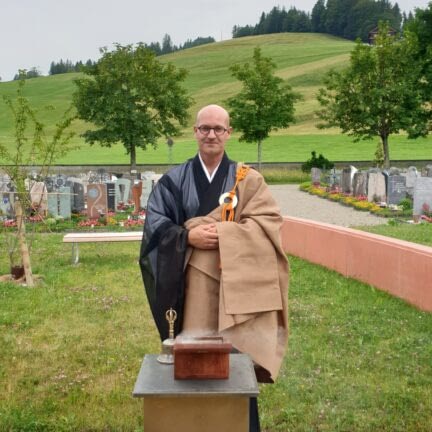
[379,93]
[132,98]
[421,25]
[264,104]
[318,17]
[31,146]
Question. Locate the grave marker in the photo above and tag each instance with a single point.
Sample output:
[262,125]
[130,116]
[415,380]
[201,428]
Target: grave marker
[422,194]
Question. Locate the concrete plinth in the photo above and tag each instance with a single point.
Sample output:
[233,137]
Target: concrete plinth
[196,405]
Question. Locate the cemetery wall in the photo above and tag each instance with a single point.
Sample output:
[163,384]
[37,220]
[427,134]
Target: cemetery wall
[161,168]
[400,268]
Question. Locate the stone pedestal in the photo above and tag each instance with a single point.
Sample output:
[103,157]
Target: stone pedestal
[196,405]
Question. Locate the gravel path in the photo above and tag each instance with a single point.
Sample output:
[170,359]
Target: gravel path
[294,202]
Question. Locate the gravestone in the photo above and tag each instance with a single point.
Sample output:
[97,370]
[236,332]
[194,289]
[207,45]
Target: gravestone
[59,181]
[360,184]
[64,199]
[428,171]
[6,208]
[347,179]
[49,183]
[77,194]
[411,176]
[422,194]
[136,195]
[336,178]
[122,190]
[39,197]
[97,203]
[147,187]
[53,203]
[397,190]
[376,186]
[393,171]
[316,176]
[7,196]
[111,196]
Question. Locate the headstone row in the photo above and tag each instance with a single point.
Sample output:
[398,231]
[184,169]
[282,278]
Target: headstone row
[390,186]
[61,195]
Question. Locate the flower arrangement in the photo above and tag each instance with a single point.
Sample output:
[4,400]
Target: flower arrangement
[133,222]
[363,205]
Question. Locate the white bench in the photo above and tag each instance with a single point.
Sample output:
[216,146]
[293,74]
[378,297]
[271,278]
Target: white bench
[76,238]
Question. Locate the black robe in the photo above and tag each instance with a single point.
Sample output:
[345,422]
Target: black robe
[182,193]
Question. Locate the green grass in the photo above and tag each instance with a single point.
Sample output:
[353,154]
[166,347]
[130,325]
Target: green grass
[302,60]
[358,359]
[421,233]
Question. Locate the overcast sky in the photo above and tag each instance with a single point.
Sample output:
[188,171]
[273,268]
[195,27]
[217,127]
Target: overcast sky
[35,33]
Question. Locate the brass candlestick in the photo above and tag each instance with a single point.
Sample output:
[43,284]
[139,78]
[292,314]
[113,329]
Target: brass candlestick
[166,356]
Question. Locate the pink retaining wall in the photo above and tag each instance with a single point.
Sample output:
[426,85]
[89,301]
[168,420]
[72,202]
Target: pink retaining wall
[399,267]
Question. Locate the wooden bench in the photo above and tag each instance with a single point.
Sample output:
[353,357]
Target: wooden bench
[76,238]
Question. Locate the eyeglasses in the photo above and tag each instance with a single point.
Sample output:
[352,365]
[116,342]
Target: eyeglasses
[218,130]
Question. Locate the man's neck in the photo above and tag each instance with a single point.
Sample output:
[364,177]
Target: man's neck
[211,163]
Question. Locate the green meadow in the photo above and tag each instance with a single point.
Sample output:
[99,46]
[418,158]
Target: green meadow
[301,59]
[71,349]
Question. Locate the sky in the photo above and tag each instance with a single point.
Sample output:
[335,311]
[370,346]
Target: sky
[35,33]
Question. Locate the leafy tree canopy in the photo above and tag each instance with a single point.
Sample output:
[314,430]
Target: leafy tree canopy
[131,98]
[379,93]
[264,104]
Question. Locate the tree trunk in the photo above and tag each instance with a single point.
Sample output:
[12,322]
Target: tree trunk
[25,255]
[259,155]
[386,151]
[133,158]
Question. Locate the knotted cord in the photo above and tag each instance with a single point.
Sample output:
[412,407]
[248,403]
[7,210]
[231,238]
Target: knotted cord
[227,207]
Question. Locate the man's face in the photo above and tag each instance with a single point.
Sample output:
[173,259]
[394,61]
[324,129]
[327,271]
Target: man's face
[212,144]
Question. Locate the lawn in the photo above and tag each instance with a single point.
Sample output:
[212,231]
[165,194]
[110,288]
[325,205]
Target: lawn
[358,359]
[419,233]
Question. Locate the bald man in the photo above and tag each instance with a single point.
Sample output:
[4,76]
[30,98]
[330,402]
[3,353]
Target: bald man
[223,275]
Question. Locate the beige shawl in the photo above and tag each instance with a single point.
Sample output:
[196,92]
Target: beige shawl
[240,291]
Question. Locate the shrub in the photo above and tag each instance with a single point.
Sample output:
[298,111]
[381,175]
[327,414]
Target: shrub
[406,204]
[317,162]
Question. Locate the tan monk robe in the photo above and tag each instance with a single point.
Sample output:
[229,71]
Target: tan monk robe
[240,291]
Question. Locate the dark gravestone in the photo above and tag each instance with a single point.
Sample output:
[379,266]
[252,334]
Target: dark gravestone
[77,196]
[360,184]
[111,195]
[97,204]
[422,194]
[397,190]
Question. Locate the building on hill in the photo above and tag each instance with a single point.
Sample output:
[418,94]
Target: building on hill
[374,32]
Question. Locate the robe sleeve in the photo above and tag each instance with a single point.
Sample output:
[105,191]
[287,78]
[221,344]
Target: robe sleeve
[162,256]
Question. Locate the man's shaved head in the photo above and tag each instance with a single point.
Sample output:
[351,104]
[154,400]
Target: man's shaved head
[214,110]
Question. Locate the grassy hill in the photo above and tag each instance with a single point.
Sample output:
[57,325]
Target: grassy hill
[301,59]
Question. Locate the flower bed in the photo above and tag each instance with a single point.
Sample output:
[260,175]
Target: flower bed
[359,202]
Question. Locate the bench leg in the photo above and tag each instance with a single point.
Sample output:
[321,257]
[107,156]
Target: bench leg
[75,253]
